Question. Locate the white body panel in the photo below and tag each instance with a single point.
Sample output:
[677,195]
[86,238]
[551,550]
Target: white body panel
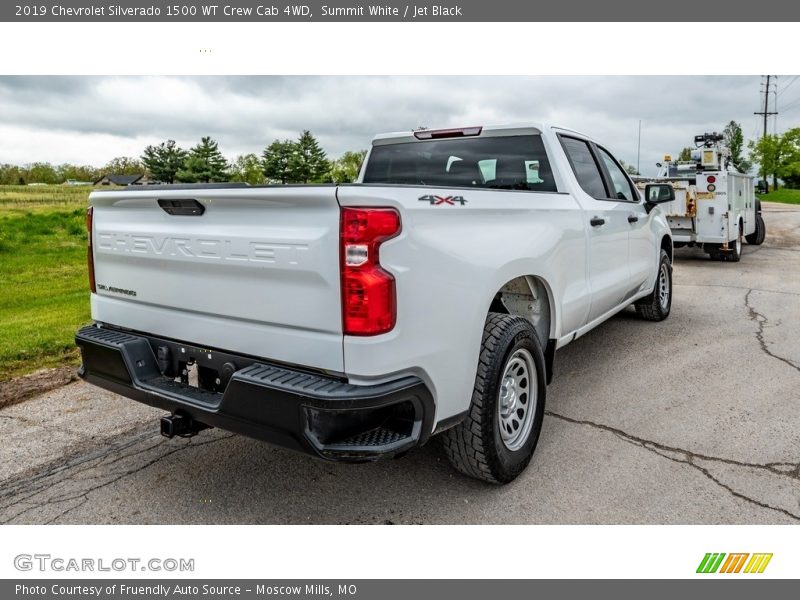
[257,273]
[449,261]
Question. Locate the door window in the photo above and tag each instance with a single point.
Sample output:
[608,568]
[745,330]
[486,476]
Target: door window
[585,167]
[622,186]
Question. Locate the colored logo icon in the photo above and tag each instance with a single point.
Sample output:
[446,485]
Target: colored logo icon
[719,562]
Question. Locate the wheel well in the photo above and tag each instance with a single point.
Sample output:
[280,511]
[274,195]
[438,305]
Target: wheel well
[666,245]
[526,297]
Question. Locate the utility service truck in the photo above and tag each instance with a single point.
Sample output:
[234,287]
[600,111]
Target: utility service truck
[715,207]
[354,322]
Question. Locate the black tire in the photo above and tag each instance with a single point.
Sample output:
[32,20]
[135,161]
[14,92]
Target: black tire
[735,252]
[476,447]
[656,307]
[757,237]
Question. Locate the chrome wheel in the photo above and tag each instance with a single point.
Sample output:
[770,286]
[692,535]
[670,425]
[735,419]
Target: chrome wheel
[516,400]
[663,286]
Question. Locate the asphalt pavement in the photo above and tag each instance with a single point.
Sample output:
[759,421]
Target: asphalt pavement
[692,420]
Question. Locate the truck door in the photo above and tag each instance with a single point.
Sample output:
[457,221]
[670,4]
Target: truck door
[640,239]
[607,226]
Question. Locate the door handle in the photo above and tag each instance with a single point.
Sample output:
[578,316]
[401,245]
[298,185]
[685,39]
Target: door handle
[596,221]
[633,218]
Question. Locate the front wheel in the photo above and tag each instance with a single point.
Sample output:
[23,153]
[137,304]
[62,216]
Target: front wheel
[656,306]
[496,440]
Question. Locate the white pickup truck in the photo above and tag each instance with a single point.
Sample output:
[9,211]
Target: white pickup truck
[354,322]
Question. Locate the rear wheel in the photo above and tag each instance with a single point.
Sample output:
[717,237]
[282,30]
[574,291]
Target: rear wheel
[757,237]
[657,305]
[735,252]
[496,440]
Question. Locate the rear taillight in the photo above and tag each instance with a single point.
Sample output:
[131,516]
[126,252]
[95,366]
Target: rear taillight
[369,304]
[89,250]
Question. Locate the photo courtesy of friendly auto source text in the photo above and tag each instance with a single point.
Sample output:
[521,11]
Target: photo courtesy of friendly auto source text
[255,294]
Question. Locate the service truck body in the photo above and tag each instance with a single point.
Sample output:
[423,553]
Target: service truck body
[347,321]
[715,206]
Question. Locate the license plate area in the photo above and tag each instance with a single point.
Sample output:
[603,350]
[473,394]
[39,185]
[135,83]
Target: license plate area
[196,367]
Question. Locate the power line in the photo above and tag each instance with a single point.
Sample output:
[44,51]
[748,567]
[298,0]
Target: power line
[788,85]
[791,106]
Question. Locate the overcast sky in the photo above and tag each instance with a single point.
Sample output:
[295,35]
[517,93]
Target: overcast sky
[89,120]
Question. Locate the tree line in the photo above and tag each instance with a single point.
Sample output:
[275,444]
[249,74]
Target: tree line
[283,161]
[779,157]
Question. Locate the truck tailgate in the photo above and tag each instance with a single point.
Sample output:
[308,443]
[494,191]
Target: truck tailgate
[256,273]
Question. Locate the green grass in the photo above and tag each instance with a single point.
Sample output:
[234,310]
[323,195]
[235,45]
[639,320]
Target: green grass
[44,294]
[784,195]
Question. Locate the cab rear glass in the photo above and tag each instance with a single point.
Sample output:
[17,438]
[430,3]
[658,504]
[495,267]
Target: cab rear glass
[507,163]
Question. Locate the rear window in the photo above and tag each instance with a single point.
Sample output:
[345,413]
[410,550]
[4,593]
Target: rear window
[507,163]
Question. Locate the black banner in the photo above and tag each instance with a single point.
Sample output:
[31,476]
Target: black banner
[394,589]
[678,11]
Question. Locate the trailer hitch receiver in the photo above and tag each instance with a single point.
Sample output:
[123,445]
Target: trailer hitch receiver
[180,425]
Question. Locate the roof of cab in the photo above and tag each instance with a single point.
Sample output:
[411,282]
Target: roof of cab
[527,128]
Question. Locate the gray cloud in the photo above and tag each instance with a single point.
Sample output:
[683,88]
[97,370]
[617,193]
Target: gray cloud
[89,120]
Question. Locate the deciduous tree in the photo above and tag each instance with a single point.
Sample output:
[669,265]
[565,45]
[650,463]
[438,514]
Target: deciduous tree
[345,169]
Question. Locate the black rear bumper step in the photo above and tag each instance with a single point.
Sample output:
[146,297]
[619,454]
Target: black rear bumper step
[316,414]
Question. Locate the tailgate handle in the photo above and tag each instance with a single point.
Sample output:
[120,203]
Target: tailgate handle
[182,207]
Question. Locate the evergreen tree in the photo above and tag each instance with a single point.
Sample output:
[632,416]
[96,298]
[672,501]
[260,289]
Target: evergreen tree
[309,163]
[685,155]
[164,161]
[204,163]
[277,161]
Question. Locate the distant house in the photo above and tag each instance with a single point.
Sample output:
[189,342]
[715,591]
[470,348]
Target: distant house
[112,179]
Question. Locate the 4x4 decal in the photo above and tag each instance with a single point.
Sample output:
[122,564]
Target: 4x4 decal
[437,200]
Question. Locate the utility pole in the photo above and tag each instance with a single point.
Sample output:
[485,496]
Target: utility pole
[766,114]
[639,148]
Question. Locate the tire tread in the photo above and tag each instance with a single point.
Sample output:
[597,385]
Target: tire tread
[467,444]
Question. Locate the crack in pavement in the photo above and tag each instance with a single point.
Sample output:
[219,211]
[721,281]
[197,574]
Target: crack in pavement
[43,481]
[762,320]
[735,287]
[689,458]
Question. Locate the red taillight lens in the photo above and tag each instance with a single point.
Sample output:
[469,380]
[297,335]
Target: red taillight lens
[89,250]
[711,179]
[369,305]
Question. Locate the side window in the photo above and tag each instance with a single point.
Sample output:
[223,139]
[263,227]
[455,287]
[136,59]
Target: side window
[622,187]
[585,168]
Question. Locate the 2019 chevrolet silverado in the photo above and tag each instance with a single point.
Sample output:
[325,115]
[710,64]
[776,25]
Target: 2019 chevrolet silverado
[354,322]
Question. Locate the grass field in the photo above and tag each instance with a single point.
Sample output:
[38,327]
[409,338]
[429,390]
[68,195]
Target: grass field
[784,195]
[43,282]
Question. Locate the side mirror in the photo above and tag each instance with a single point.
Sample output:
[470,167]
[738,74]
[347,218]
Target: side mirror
[657,193]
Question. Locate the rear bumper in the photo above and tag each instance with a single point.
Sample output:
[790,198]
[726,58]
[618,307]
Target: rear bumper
[315,414]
